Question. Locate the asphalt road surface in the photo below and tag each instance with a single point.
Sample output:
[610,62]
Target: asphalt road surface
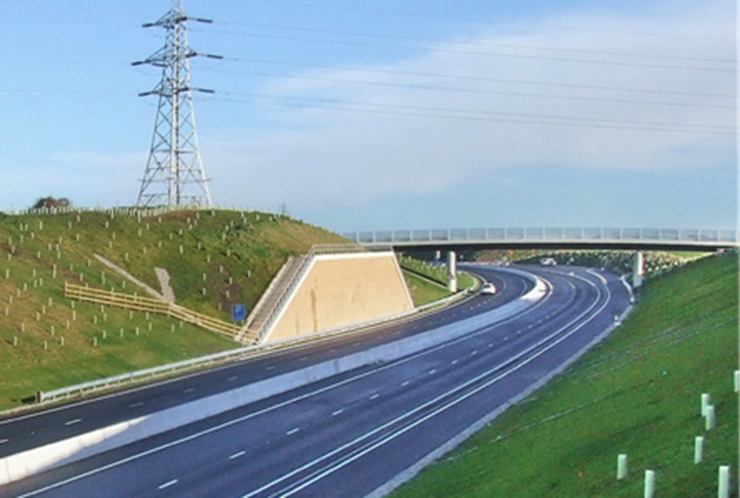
[344,436]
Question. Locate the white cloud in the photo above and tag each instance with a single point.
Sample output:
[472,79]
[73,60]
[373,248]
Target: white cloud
[411,142]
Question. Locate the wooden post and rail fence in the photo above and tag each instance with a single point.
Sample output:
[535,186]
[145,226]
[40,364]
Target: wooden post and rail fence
[148,304]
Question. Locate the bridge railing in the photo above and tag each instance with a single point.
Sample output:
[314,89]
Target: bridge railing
[543,234]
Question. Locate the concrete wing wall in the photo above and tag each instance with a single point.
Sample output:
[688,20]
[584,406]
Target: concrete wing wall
[343,289]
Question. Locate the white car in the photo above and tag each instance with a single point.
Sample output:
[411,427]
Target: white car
[548,262]
[488,288]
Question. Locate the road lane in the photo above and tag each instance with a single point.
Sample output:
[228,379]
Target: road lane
[349,435]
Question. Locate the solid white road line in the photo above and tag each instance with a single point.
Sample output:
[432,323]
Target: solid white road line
[277,406]
[168,484]
[73,422]
[375,396]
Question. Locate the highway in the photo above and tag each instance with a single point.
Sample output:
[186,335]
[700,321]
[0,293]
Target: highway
[344,436]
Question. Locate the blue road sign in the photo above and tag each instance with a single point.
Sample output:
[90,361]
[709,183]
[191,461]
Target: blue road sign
[238,312]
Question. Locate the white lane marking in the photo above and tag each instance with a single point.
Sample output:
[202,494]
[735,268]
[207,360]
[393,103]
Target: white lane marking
[188,390]
[406,383]
[168,484]
[375,396]
[475,352]
[453,362]
[506,338]
[490,344]
[3,441]
[338,412]
[297,487]
[237,455]
[272,408]
[230,379]
[271,367]
[135,405]
[432,371]
[292,431]
[303,358]
[73,422]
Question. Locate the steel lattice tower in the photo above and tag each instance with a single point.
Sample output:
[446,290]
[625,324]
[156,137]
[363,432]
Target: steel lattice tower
[174,172]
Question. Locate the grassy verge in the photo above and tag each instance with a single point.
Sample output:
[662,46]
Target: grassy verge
[214,258]
[636,393]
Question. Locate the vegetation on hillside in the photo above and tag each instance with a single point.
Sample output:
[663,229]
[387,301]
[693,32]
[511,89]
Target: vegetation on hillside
[638,393]
[214,258]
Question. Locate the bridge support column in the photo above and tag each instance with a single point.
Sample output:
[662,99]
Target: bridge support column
[452,271]
[638,269]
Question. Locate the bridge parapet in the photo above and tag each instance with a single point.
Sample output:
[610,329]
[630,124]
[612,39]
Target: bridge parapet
[577,236]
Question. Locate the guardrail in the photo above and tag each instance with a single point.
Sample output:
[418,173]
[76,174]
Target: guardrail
[148,304]
[217,358]
[543,235]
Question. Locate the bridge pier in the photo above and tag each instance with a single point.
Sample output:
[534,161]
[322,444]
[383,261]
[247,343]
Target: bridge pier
[638,269]
[452,271]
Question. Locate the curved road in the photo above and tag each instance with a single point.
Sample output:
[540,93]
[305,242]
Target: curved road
[348,435]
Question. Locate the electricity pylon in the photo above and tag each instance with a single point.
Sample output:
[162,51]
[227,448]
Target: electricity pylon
[174,172]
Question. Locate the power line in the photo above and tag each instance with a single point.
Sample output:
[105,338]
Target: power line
[483,54]
[418,86]
[478,44]
[425,15]
[483,79]
[472,114]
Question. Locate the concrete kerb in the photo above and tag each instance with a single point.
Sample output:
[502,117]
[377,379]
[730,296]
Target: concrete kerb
[24,464]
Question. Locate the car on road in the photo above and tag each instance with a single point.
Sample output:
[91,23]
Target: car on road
[548,262]
[488,288]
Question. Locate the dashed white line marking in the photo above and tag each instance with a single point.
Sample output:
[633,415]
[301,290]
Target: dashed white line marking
[188,390]
[168,484]
[73,422]
[338,412]
[271,367]
[303,358]
[506,338]
[399,332]
[3,441]
[375,396]
[432,371]
[135,405]
[231,379]
[475,352]
[406,383]
[237,455]
[453,362]
[293,431]
[490,344]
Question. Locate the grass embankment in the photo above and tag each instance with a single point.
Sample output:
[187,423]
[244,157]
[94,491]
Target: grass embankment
[638,393]
[428,283]
[214,258]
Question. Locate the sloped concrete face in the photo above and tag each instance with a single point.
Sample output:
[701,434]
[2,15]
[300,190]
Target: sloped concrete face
[343,289]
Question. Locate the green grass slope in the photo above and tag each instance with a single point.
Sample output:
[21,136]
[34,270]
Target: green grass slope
[638,393]
[214,258]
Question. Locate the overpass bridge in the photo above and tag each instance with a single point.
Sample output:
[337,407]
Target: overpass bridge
[453,240]
[458,239]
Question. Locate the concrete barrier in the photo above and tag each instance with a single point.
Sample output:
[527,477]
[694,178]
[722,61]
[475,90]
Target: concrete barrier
[27,463]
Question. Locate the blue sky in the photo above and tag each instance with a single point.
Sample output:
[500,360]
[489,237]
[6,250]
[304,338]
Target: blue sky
[375,114]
